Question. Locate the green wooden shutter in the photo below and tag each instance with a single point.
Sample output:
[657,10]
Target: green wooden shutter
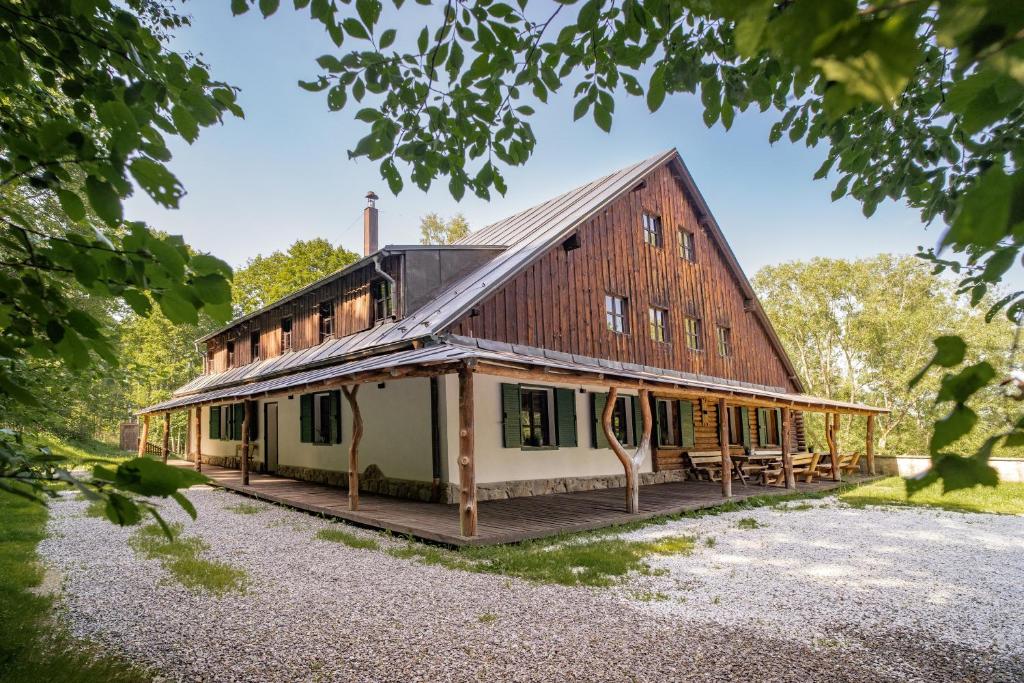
[745,425]
[686,430]
[236,425]
[336,416]
[565,415]
[214,422]
[638,420]
[511,416]
[762,427]
[778,421]
[597,403]
[306,418]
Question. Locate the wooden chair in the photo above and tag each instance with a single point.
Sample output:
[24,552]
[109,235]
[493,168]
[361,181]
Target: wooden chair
[805,466]
[705,465]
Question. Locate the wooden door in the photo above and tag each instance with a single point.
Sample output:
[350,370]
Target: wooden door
[270,436]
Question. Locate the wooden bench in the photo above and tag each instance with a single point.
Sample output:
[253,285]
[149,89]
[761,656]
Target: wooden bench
[767,464]
[848,462]
[805,466]
[705,464]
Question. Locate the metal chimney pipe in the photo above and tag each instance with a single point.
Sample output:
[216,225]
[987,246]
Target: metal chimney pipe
[370,229]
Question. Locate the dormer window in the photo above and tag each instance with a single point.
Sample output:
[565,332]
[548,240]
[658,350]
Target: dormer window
[286,335]
[380,293]
[254,346]
[326,321]
[231,354]
[652,229]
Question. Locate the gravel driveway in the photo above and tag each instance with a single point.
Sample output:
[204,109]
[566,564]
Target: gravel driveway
[830,593]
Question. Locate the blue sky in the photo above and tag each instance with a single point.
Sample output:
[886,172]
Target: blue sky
[282,173]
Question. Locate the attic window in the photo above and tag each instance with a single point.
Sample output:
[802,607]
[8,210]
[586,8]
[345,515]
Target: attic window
[652,229]
[380,292]
[326,321]
[686,247]
[286,335]
[254,346]
[231,354]
[572,242]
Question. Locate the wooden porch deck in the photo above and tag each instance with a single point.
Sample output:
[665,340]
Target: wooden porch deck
[500,521]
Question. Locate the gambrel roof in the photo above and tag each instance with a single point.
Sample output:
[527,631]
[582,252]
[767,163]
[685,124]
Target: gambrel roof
[522,238]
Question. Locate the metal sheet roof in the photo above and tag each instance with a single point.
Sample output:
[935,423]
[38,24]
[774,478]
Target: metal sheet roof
[454,349]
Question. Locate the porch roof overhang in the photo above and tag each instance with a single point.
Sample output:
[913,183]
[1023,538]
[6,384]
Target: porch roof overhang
[500,358]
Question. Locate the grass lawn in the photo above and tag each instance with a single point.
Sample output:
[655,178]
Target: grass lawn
[1005,499]
[32,646]
[79,452]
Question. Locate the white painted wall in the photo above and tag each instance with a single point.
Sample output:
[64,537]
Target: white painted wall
[495,463]
[396,432]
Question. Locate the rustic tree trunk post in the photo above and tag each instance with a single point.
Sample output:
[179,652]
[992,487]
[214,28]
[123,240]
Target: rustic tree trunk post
[199,438]
[723,439]
[353,448]
[870,447]
[246,421]
[831,427]
[143,435]
[787,457]
[630,462]
[467,473]
[164,447]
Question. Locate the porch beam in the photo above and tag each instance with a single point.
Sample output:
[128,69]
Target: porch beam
[246,421]
[869,448]
[467,472]
[787,456]
[199,438]
[143,435]
[630,461]
[831,426]
[723,439]
[353,448]
[165,443]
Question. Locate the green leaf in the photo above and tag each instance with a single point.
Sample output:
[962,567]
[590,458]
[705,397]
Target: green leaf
[268,7]
[239,7]
[72,204]
[158,182]
[949,351]
[354,28]
[387,38]
[103,199]
[603,118]
[966,383]
[369,12]
[185,123]
[122,510]
[213,289]
[656,89]
[951,428]
[177,308]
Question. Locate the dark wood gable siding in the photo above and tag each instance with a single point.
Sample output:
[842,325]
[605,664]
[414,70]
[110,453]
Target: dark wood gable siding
[558,302]
[351,297]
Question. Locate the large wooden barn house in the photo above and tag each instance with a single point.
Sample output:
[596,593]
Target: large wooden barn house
[606,337]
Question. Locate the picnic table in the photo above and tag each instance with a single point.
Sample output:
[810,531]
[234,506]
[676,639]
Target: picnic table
[753,462]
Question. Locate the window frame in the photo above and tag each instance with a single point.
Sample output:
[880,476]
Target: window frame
[546,425]
[381,302]
[671,420]
[321,419]
[736,426]
[687,245]
[229,350]
[694,336]
[286,336]
[723,340]
[654,233]
[625,411]
[657,321]
[255,345]
[611,316]
[325,323]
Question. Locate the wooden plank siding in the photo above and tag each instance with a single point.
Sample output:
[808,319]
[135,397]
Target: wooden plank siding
[559,300]
[352,313]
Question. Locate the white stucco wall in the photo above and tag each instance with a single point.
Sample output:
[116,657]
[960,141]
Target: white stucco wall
[396,432]
[495,463]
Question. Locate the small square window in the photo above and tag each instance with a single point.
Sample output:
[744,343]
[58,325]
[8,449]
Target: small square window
[286,335]
[693,334]
[326,321]
[724,337]
[615,314]
[686,247]
[652,229]
[658,318]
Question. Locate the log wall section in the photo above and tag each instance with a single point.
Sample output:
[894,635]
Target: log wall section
[558,302]
[352,313]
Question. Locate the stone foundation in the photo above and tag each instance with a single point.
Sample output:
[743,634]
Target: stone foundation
[372,480]
[232,462]
[501,490]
